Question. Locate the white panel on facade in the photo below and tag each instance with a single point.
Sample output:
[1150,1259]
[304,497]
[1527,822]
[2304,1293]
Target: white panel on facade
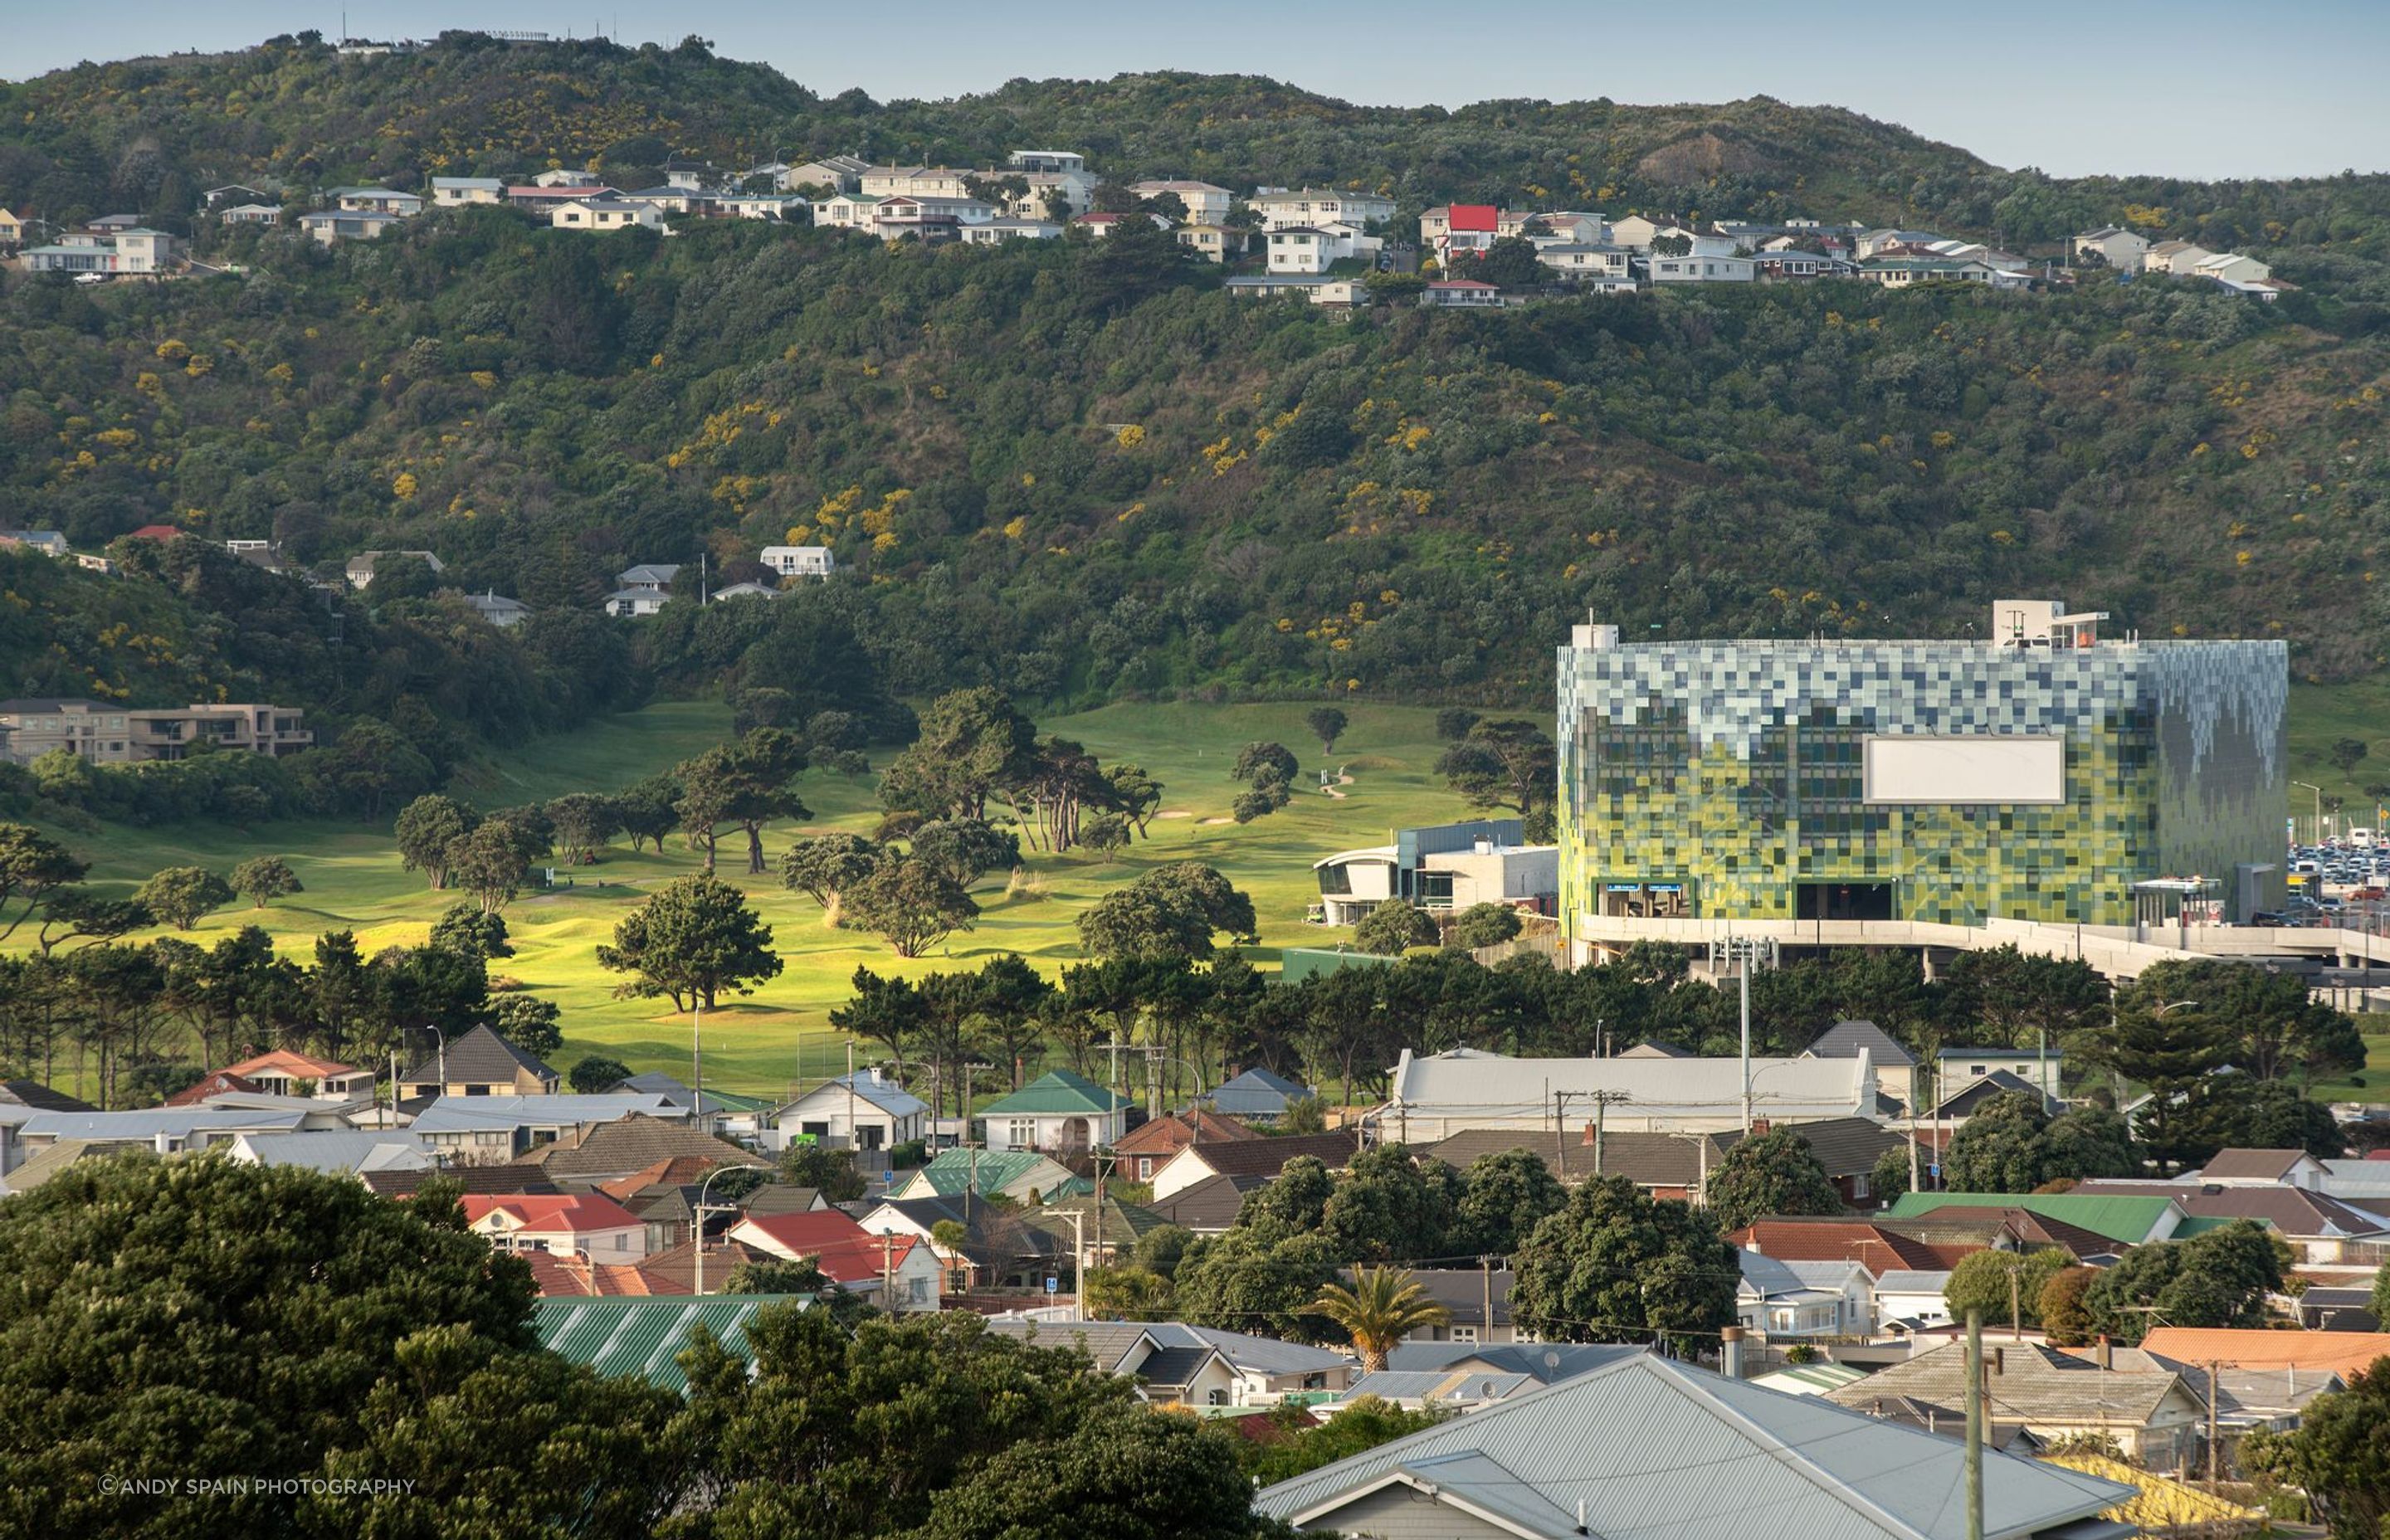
[1982,767]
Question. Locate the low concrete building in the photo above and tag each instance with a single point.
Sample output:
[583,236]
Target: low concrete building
[1442,867]
[106,733]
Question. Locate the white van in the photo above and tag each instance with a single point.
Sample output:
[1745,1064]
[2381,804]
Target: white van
[2361,839]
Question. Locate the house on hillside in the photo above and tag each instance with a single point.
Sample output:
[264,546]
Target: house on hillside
[1297,250]
[456,192]
[1059,1111]
[1600,268]
[2178,258]
[2111,246]
[800,561]
[642,590]
[1282,209]
[362,566]
[1205,204]
[607,211]
[498,608]
[1213,242]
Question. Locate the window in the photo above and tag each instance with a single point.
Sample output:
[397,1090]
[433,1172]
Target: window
[1215,1398]
[1022,1133]
[1145,1168]
[1464,1334]
[917,1290]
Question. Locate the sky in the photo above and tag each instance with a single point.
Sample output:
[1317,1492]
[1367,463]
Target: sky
[2193,88]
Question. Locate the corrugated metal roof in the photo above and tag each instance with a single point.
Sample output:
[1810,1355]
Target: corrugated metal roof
[644,1336]
[1056,1091]
[1655,1449]
[2131,1220]
[1257,1354]
[1468,1083]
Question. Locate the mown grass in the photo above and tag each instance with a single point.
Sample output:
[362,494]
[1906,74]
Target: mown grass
[781,1034]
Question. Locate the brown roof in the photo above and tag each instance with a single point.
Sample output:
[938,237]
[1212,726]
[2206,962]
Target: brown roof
[1970,1229]
[2259,1165]
[1648,1159]
[1267,1157]
[1209,1204]
[1874,1247]
[2291,1211]
[2345,1352]
[678,1171]
[675,1271]
[2032,1382]
[33,1093]
[1168,1135]
[218,1083]
[634,1143]
[502,1178]
[1847,1147]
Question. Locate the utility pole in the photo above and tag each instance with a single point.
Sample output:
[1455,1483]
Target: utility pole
[1078,1265]
[1560,1130]
[1975,1425]
[697,1058]
[2213,1368]
[888,1274]
[2016,1305]
[1743,972]
[1602,1101]
[1486,1297]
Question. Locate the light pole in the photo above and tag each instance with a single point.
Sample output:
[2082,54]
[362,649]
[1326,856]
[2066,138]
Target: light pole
[2315,829]
[697,1224]
[440,1038]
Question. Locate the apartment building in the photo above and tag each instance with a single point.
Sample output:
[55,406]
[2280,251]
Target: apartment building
[106,733]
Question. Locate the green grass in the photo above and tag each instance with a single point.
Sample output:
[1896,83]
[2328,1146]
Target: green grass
[2319,716]
[780,1033]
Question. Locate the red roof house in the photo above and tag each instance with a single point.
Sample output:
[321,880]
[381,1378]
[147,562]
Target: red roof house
[565,1224]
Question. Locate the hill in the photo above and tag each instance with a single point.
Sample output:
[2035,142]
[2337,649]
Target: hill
[1080,470]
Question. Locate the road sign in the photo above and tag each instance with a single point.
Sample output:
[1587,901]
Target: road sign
[1053,1284]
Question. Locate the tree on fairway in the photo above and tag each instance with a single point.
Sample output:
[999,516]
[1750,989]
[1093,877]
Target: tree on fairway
[1393,927]
[1259,800]
[649,811]
[583,821]
[490,863]
[1510,764]
[1257,763]
[264,879]
[1326,725]
[530,1023]
[1453,722]
[1378,1309]
[972,743]
[594,1076]
[911,904]
[1132,794]
[1619,1266]
[824,866]
[761,769]
[1107,833]
[1768,1174]
[964,850]
[694,940]
[427,827]
[182,896]
[468,928]
[1169,912]
[33,867]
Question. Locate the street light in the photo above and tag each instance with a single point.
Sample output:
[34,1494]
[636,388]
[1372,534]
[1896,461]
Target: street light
[441,1039]
[697,1225]
[2315,829]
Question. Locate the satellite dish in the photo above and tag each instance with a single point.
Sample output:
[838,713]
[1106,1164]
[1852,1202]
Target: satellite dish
[1551,1359]
[1485,1390]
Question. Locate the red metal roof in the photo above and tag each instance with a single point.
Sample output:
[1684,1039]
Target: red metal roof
[546,1214]
[844,1249]
[156,531]
[1475,216]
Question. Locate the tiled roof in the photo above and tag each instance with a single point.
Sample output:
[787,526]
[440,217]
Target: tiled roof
[1121,1222]
[1848,1146]
[1104,1343]
[298,1066]
[1175,1367]
[1169,1133]
[1878,1249]
[673,1271]
[544,1213]
[2031,1381]
[637,1142]
[481,1057]
[1463,1291]
[1846,1039]
[32,1093]
[1255,1355]
[1646,1158]
[1209,1204]
[844,1249]
[1268,1156]
[219,1083]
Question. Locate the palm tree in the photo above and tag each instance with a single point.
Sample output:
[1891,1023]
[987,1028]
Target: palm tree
[1382,1306]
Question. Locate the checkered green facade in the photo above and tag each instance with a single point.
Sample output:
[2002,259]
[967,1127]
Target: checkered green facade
[1734,768]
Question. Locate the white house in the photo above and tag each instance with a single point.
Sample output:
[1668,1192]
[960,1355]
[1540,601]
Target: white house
[376,201]
[563,178]
[995,232]
[590,1226]
[2179,258]
[1595,267]
[1336,293]
[1961,1067]
[1059,1111]
[606,212]
[913,182]
[846,212]
[1441,866]
[2113,246]
[1306,249]
[1205,204]
[927,218]
[2234,265]
[1905,271]
[1905,1294]
[628,603]
[330,230]
[132,249]
[456,192]
[1282,209]
[1702,269]
[1776,1302]
[863,1110]
[251,214]
[805,561]
[1211,242]
[1101,224]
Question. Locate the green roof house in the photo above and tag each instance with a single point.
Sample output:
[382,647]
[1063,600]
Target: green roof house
[645,1335]
[1057,1111]
[2134,1221]
[1014,1173]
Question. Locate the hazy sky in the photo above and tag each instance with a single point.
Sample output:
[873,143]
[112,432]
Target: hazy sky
[2200,88]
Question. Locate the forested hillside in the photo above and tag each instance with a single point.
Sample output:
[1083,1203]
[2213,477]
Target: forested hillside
[1080,470]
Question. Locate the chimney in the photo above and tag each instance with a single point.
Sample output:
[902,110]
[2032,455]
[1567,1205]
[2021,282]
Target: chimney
[1759,1126]
[1999,1364]
[1730,1352]
[2105,1357]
